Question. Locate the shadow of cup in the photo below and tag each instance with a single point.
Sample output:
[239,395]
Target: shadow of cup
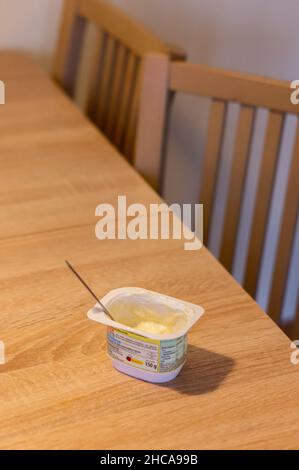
[203,372]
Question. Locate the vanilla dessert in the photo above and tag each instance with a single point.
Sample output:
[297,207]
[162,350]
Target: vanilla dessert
[147,337]
[148,319]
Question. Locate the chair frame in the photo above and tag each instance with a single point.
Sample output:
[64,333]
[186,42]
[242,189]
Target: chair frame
[162,79]
[122,42]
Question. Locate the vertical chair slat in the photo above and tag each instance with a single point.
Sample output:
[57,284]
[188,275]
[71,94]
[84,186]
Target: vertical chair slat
[286,236]
[74,57]
[236,185]
[105,80]
[263,200]
[130,134]
[124,102]
[96,66]
[211,161]
[152,117]
[84,94]
[68,55]
[116,87]
[70,11]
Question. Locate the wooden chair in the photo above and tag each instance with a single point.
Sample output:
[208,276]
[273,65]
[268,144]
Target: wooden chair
[162,79]
[102,70]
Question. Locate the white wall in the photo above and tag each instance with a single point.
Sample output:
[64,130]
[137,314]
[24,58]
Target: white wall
[30,25]
[257,36]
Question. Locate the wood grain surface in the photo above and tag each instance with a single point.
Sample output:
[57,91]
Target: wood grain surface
[58,389]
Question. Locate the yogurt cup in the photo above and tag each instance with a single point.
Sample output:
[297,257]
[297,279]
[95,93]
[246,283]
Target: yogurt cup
[147,356]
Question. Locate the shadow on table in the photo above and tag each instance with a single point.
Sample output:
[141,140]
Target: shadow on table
[203,372]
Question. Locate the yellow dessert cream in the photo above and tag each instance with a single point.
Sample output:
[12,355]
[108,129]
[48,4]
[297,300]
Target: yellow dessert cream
[147,337]
[147,319]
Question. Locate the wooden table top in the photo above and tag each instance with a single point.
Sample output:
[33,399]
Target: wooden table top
[58,389]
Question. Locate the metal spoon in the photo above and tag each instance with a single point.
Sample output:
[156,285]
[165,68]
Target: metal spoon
[89,289]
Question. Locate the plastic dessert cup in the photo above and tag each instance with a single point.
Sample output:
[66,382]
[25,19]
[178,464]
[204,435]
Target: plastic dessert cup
[147,356]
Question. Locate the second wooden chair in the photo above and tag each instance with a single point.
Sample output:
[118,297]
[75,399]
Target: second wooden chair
[161,80]
[98,61]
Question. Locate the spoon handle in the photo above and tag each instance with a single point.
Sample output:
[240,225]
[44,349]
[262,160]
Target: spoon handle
[88,288]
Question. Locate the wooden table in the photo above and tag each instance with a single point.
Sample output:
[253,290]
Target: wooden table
[58,389]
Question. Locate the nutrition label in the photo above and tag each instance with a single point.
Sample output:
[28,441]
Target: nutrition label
[145,353]
[173,353]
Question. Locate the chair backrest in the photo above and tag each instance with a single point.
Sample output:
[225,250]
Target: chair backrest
[98,61]
[161,80]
